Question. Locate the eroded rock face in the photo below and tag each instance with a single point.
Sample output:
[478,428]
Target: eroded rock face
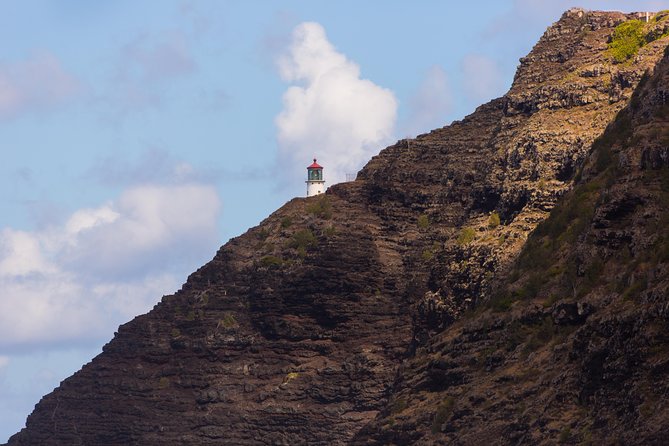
[574,346]
[514,157]
[296,331]
[277,348]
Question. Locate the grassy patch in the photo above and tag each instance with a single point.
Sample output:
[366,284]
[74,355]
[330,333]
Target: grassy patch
[228,321]
[423,221]
[466,236]
[627,39]
[302,240]
[321,207]
[502,303]
[540,336]
[493,220]
[427,255]
[330,231]
[271,262]
[635,289]
[398,405]
[444,411]
[565,435]
[286,222]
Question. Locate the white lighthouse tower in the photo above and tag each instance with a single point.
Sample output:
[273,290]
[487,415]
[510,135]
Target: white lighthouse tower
[315,182]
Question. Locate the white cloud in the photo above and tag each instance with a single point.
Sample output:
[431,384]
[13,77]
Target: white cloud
[431,102]
[331,113]
[34,84]
[4,361]
[78,281]
[20,254]
[151,221]
[483,78]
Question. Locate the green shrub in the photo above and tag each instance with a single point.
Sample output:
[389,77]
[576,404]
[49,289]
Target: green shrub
[565,435]
[501,303]
[635,289]
[423,221]
[627,38]
[286,222]
[228,321]
[427,255]
[302,240]
[443,412]
[321,207]
[398,405]
[493,220]
[466,236]
[541,335]
[271,261]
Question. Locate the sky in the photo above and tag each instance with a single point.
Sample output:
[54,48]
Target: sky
[138,137]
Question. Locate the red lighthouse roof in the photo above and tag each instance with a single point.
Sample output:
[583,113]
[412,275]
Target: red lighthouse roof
[315,165]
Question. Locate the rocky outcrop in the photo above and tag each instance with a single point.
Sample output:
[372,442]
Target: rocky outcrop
[514,157]
[573,346]
[325,324]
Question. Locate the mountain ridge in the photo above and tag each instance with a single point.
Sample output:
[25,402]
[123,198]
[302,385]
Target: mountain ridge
[573,347]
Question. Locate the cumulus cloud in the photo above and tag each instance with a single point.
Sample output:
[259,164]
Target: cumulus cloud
[483,78]
[431,102]
[331,112]
[78,281]
[35,84]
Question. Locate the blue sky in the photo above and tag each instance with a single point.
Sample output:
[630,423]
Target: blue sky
[137,137]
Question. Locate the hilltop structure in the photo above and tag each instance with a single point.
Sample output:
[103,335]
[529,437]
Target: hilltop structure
[315,181]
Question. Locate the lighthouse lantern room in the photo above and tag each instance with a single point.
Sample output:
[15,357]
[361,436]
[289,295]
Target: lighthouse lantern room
[315,182]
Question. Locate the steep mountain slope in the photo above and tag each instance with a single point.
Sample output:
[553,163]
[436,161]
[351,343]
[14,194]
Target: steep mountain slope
[294,332]
[574,348]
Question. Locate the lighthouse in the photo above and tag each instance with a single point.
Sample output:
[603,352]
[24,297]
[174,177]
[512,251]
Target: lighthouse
[315,182]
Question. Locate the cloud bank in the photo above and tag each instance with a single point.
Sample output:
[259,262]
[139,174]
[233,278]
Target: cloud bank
[331,113]
[76,282]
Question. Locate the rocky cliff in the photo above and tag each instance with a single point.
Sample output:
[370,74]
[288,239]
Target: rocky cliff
[392,309]
[573,346]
